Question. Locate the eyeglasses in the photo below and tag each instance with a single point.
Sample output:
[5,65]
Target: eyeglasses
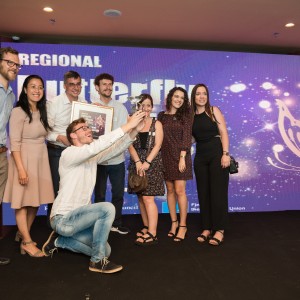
[84,128]
[11,63]
[72,85]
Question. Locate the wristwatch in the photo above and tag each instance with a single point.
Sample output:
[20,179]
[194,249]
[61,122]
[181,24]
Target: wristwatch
[226,153]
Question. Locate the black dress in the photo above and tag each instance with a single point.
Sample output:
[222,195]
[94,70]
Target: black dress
[212,180]
[155,172]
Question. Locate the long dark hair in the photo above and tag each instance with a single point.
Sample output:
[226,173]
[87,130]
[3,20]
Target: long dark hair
[41,105]
[182,111]
[207,105]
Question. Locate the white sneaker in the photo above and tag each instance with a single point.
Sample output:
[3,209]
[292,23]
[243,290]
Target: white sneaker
[120,229]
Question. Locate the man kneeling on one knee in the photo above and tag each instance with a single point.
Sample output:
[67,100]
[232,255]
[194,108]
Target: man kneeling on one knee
[79,225]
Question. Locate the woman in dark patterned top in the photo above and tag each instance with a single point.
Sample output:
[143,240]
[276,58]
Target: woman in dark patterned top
[146,159]
[210,165]
[176,155]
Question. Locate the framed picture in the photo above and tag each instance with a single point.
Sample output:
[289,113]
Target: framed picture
[99,118]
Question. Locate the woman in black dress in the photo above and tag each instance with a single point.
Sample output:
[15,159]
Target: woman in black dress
[176,156]
[210,165]
[145,158]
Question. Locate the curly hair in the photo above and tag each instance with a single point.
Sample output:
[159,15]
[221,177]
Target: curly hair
[103,76]
[182,111]
[41,105]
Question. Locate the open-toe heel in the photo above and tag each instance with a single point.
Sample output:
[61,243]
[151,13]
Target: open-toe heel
[170,233]
[140,232]
[23,251]
[202,238]
[19,238]
[179,239]
[147,240]
[216,242]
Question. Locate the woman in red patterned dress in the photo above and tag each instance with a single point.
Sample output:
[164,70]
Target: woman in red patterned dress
[176,156]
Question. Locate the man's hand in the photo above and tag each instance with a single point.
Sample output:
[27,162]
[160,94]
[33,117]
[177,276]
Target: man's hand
[63,139]
[134,121]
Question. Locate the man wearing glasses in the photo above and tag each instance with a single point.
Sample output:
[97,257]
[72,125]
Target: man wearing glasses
[59,114]
[9,68]
[79,225]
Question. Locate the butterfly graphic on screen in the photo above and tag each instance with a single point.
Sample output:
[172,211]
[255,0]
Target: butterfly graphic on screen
[289,128]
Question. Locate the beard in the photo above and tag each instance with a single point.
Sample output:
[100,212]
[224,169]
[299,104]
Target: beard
[8,74]
[106,93]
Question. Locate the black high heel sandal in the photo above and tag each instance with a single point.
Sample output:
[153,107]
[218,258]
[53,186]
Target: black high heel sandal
[170,233]
[179,239]
[203,237]
[140,232]
[147,241]
[217,242]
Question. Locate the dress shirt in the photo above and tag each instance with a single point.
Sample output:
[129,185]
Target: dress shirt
[119,119]
[78,168]
[7,99]
[59,116]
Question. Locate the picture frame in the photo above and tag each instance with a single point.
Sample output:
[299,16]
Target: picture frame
[99,118]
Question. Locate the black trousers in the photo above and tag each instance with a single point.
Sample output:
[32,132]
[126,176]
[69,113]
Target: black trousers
[54,157]
[212,184]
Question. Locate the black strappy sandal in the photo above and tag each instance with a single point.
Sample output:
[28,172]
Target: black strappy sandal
[140,232]
[217,241]
[147,241]
[204,237]
[179,239]
[170,233]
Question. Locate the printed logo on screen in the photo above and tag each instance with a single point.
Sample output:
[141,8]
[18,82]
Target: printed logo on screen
[289,128]
[63,60]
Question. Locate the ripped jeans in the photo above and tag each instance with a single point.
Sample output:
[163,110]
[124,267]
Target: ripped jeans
[86,230]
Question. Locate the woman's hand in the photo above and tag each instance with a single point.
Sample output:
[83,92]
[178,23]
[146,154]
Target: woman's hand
[225,161]
[182,166]
[145,166]
[23,177]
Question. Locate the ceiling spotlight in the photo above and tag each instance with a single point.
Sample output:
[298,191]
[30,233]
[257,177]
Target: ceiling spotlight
[48,9]
[289,25]
[15,38]
[112,13]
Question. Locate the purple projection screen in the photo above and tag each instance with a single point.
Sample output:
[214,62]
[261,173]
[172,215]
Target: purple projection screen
[259,95]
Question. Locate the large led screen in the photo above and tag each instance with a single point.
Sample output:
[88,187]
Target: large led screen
[259,95]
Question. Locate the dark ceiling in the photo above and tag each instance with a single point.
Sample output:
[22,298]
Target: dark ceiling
[232,25]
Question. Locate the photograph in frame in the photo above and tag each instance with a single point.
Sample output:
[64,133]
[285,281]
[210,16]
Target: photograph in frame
[99,118]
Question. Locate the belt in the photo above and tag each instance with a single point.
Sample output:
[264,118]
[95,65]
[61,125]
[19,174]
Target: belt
[50,145]
[3,149]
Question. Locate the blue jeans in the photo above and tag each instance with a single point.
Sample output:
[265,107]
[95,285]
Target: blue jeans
[116,174]
[85,230]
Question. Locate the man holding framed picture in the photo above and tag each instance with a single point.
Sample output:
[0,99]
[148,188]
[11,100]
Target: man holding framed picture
[59,114]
